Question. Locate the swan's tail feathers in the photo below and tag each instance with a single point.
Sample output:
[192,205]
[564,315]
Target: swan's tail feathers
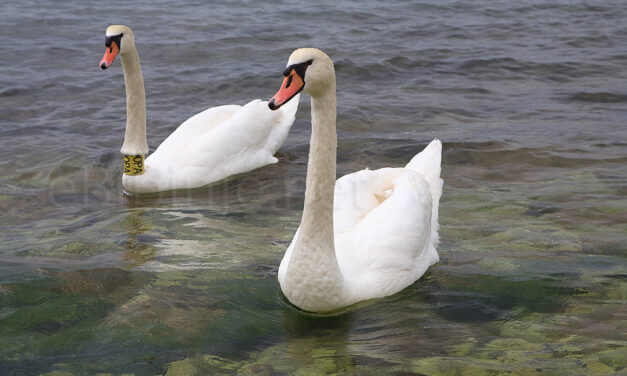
[427,163]
[285,118]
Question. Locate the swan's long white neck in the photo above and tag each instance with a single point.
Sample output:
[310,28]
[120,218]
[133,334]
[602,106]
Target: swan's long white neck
[135,136]
[317,221]
[313,274]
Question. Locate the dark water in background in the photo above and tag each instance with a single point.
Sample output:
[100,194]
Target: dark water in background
[529,98]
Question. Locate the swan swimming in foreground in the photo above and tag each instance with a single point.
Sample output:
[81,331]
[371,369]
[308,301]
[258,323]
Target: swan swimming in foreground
[371,233]
[208,147]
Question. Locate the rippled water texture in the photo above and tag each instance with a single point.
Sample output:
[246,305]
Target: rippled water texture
[530,100]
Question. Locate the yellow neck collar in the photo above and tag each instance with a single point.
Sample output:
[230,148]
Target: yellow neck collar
[134,165]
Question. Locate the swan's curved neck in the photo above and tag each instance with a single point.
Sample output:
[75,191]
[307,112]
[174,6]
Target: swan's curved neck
[135,136]
[313,266]
[317,221]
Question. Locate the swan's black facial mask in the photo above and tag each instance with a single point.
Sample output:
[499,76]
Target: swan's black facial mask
[293,84]
[113,44]
[299,68]
[114,38]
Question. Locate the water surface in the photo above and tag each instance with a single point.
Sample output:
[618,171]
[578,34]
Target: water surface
[529,99]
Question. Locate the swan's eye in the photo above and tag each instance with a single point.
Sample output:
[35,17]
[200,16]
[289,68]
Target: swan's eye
[114,38]
[299,68]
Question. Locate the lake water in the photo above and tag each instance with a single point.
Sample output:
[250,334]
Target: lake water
[529,99]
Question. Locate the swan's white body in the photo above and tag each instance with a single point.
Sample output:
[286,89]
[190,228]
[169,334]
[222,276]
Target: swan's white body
[212,145]
[371,233]
[208,147]
[385,230]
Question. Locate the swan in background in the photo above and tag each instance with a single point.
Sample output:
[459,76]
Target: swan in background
[371,233]
[208,147]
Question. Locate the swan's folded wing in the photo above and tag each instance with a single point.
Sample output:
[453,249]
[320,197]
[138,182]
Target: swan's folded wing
[188,132]
[210,146]
[387,247]
[358,193]
[427,163]
[242,138]
[220,142]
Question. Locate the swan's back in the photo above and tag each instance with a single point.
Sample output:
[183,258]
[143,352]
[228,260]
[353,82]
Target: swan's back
[189,131]
[227,133]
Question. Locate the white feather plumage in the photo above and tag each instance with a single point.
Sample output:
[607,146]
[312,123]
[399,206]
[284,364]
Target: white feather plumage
[371,236]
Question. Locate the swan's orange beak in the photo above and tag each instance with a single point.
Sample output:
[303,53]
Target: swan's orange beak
[292,85]
[110,53]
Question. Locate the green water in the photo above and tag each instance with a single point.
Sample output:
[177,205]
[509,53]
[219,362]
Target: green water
[528,98]
[185,283]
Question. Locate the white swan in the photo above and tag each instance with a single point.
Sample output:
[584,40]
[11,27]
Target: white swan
[378,234]
[208,147]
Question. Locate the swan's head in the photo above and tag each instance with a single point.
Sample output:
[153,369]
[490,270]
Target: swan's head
[118,39]
[309,70]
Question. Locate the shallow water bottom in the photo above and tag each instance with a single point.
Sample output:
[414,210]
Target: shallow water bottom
[529,101]
[185,283]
